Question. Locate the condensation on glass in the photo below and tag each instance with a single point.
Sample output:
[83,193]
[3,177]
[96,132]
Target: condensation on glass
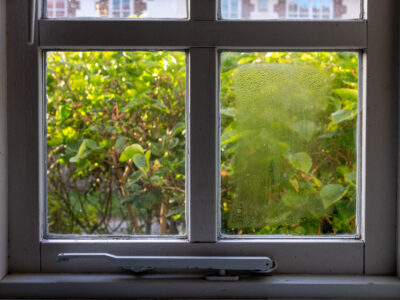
[116,143]
[117,8]
[290,9]
[289,131]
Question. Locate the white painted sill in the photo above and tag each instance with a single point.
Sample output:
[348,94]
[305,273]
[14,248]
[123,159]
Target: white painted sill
[126,286]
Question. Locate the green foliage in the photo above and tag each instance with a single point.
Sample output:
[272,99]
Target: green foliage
[288,160]
[116,142]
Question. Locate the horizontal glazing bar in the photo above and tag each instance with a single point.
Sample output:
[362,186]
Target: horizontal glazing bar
[67,34]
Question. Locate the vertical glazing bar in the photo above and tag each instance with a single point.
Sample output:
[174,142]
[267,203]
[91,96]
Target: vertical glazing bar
[202,143]
[202,152]
[203,10]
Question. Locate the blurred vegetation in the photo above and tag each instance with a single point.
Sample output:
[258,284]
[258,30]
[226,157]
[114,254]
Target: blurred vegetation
[116,144]
[289,143]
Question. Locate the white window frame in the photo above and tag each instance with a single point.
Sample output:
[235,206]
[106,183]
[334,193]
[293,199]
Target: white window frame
[310,13]
[120,9]
[203,37]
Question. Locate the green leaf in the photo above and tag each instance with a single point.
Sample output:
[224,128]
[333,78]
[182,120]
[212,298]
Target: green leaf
[301,161]
[130,152]
[147,156]
[332,193]
[140,162]
[178,128]
[228,112]
[305,129]
[173,143]
[135,177]
[343,115]
[229,136]
[347,94]
[120,143]
[85,148]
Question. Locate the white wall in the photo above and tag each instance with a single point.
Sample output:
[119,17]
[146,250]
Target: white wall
[3,143]
[353,9]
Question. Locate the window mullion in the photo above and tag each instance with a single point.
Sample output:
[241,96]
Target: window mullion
[202,167]
[204,10]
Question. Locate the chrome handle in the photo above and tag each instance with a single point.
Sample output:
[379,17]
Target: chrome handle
[32,21]
[259,264]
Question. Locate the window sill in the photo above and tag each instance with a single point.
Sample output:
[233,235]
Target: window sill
[125,286]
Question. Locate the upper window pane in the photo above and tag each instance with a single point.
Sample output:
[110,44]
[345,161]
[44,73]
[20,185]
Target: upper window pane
[117,8]
[290,9]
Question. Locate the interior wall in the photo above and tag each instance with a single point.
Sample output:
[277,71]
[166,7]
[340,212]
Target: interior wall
[3,142]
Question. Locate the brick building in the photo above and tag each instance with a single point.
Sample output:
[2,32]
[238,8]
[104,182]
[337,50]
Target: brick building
[230,9]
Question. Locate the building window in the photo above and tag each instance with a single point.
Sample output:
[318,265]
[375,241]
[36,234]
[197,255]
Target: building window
[262,5]
[57,8]
[121,8]
[309,9]
[231,9]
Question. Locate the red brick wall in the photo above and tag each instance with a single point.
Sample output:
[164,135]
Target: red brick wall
[102,6]
[339,9]
[247,9]
[140,7]
[72,7]
[280,8]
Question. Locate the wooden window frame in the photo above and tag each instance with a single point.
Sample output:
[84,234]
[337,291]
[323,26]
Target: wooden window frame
[203,36]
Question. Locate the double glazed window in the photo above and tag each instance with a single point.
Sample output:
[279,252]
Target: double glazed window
[202,136]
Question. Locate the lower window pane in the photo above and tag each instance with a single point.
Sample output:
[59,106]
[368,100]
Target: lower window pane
[289,143]
[116,143]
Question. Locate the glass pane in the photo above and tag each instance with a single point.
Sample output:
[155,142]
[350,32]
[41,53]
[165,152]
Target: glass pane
[289,143]
[119,8]
[290,9]
[116,143]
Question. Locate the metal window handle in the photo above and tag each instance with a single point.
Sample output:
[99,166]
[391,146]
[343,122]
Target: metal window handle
[259,264]
[32,21]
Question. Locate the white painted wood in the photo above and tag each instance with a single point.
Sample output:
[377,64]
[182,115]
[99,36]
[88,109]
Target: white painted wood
[3,142]
[296,256]
[301,256]
[261,287]
[380,140]
[203,10]
[23,141]
[203,165]
[106,34]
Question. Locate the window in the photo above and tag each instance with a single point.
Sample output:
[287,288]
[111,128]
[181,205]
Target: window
[231,9]
[206,41]
[262,5]
[121,8]
[57,8]
[309,9]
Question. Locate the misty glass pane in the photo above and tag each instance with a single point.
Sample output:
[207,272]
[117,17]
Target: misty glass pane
[116,143]
[290,9]
[289,143]
[174,9]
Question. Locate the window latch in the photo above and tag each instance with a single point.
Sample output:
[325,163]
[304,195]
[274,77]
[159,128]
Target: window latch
[138,264]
